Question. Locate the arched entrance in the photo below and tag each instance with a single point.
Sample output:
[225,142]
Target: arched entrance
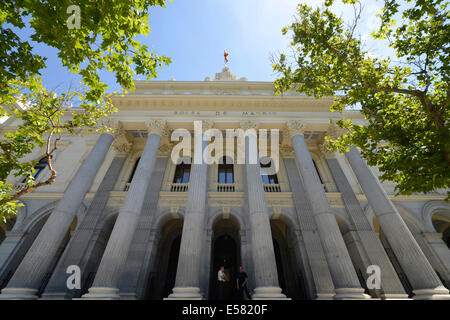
[290,277]
[441,223]
[32,233]
[356,253]
[94,254]
[225,251]
[162,278]
[6,226]
[23,247]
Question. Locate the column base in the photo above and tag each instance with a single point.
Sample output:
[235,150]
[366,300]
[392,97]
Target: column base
[324,296]
[185,293]
[439,293]
[395,296]
[268,293]
[351,294]
[128,296]
[102,293]
[18,294]
[55,296]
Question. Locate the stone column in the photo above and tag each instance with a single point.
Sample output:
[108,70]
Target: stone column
[264,264]
[76,251]
[391,286]
[341,267]
[187,282]
[26,280]
[7,248]
[323,287]
[419,271]
[135,276]
[438,255]
[106,282]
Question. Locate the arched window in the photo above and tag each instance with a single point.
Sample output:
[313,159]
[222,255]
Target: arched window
[226,171]
[441,222]
[182,173]
[134,170]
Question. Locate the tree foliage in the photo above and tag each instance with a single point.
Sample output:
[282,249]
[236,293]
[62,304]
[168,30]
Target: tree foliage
[404,98]
[105,40]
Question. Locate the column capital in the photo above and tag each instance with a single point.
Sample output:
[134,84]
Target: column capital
[158,127]
[295,127]
[207,124]
[122,143]
[325,151]
[334,131]
[107,124]
[249,124]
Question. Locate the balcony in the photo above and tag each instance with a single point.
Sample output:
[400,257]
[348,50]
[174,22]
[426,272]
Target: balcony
[17,187]
[273,187]
[225,187]
[179,187]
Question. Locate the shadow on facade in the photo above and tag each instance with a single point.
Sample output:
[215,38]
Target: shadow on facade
[290,277]
[162,278]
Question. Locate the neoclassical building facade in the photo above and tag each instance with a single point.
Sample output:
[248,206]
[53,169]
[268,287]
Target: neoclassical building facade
[141,225]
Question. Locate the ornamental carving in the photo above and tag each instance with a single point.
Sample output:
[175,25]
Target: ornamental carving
[166,148]
[286,150]
[324,151]
[295,127]
[226,203]
[207,124]
[157,127]
[225,75]
[249,124]
[122,143]
[334,131]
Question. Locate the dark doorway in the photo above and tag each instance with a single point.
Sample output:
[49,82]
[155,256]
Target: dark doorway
[226,251]
[172,267]
[162,278]
[290,276]
[280,268]
[224,254]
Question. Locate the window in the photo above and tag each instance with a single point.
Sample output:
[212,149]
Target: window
[39,167]
[315,166]
[134,170]
[226,172]
[268,178]
[182,173]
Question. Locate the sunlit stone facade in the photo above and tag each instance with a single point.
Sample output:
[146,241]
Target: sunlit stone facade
[155,229]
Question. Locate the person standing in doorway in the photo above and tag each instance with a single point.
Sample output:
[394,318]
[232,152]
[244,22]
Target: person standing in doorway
[241,282]
[221,279]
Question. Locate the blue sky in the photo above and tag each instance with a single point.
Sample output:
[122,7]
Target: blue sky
[195,33]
